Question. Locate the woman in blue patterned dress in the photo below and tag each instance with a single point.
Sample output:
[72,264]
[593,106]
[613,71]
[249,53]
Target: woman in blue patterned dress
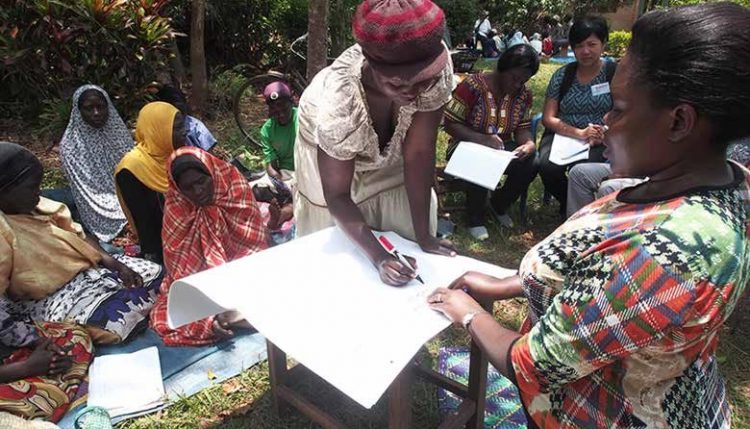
[577,99]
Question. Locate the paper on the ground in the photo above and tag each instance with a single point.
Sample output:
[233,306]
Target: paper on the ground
[126,383]
[566,150]
[321,301]
[479,164]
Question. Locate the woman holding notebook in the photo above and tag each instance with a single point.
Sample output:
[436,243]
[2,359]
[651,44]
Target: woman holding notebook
[494,110]
[578,96]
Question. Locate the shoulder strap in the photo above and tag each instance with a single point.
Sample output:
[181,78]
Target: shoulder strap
[569,76]
[609,69]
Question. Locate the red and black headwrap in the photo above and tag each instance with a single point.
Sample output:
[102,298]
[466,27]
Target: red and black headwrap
[402,38]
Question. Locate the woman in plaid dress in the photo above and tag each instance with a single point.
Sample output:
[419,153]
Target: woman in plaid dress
[210,217]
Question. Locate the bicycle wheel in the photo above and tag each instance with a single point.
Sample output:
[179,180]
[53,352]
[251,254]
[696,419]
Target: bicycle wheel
[250,111]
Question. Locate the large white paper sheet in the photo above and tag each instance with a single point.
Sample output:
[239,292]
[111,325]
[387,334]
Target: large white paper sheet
[479,164]
[126,383]
[566,150]
[321,301]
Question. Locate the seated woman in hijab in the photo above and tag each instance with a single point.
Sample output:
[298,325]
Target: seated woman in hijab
[141,176]
[51,271]
[42,367]
[94,142]
[210,218]
[627,298]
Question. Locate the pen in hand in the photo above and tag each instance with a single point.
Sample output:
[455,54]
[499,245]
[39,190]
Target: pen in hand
[390,248]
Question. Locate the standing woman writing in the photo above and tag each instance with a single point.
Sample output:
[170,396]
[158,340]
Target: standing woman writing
[365,150]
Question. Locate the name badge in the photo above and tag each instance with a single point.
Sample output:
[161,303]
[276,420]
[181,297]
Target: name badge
[600,89]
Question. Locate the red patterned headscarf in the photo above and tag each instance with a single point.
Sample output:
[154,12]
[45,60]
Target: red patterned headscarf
[197,238]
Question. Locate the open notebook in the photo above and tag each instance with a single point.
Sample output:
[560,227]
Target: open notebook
[126,383]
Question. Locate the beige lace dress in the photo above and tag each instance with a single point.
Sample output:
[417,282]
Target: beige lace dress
[333,115]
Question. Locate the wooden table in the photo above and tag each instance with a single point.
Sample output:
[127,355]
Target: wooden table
[470,413]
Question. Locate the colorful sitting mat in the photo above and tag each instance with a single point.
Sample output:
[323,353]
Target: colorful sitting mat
[503,409]
[185,370]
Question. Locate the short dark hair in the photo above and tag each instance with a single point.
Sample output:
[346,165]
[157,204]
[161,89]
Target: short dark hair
[170,94]
[590,25]
[519,56]
[699,55]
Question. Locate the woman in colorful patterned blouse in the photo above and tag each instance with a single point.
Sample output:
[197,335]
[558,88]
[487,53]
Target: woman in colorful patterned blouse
[628,296]
[578,96]
[494,110]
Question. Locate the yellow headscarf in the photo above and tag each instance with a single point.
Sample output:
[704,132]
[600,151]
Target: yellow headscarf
[148,159]
[153,136]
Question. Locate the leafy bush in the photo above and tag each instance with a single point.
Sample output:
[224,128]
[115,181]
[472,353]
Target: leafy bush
[618,43]
[460,16]
[53,118]
[745,3]
[48,48]
[253,32]
[223,87]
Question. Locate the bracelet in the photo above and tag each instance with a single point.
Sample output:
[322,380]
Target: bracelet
[468,317]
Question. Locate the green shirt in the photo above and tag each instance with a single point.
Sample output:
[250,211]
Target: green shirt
[278,142]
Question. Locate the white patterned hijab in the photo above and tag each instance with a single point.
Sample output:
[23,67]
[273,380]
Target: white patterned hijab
[89,157]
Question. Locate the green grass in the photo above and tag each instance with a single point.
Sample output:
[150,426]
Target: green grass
[244,401]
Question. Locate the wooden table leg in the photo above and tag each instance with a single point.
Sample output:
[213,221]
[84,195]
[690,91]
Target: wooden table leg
[399,401]
[277,371]
[477,385]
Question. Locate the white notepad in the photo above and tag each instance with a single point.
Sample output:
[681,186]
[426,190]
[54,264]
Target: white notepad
[566,150]
[479,164]
[126,383]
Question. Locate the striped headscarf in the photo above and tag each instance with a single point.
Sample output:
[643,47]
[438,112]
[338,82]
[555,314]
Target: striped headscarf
[402,38]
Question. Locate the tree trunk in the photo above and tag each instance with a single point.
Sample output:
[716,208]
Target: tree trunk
[178,77]
[317,37]
[340,28]
[198,55]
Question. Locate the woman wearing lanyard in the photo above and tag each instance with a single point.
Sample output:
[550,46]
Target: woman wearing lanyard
[578,97]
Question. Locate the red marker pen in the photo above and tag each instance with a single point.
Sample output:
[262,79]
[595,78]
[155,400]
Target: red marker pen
[390,248]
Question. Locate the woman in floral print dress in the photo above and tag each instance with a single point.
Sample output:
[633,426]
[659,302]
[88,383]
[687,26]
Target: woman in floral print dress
[628,296]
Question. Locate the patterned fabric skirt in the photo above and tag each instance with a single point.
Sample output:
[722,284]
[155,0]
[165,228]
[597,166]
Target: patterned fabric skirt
[97,299]
[48,397]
